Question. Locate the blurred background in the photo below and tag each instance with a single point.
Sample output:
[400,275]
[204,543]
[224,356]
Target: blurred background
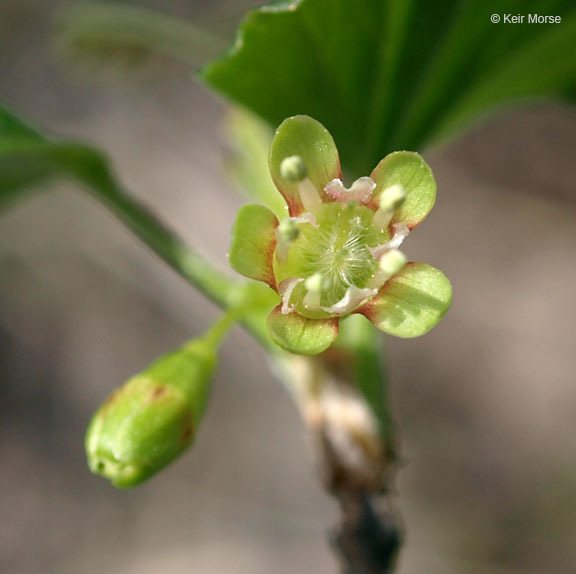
[486,402]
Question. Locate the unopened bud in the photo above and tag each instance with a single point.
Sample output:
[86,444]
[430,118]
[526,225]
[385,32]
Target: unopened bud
[293,169]
[153,418]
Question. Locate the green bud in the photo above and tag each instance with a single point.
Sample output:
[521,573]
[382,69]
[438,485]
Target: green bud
[153,418]
[293,169]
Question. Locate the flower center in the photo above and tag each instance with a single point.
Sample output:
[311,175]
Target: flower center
[334,250]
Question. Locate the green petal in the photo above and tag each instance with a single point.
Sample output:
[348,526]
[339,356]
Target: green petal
[253,243]
[414,174]
[309,139]
[300,335]
[410,303]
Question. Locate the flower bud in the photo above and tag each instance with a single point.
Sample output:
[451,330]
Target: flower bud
[153,418]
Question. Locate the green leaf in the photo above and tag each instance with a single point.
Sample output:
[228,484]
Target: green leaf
[384,75]
[250,139]
[304,137]
[253,243]
[299,335]
[414,174]
[410,303]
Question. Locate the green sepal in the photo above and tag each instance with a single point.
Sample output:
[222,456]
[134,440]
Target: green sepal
[153,418]
[411,171]
[300,335]
[304,137]
[411,302]
[253,243]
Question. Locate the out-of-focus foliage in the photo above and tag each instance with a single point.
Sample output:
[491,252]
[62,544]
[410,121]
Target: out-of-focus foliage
[15,175]
[384,75]
[127,39]
[28,159]
[250,139]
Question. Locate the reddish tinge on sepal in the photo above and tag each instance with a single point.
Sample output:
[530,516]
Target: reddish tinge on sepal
[411,302]
[309,140]
[293,332]
[254,243]
[409,170]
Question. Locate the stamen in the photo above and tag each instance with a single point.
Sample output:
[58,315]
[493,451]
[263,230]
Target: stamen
[288,231]
[392,197]
[285,288]
[353,298]
[360,191]
[389,201]
[391,263]
[309,196]
[293,168]
[315,284]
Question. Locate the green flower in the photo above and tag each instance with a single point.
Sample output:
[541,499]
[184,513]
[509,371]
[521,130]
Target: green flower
[337,250]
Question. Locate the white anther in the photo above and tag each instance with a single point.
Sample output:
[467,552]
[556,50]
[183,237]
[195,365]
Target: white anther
[288,231]
[390,263]
[392,197]
[388,202]
[314,285]
[293,168]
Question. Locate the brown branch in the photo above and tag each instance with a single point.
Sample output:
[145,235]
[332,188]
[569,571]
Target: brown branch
[368,537]
[357,462]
